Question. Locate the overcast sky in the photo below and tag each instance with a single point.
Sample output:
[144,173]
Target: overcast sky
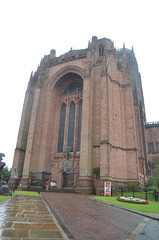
[29,29]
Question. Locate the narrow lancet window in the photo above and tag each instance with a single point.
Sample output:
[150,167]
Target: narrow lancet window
[150,148]
[101,50]
[71,126]
[61,129]
[79,127]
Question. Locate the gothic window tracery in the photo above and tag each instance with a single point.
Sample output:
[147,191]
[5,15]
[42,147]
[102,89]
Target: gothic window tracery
[74,87]
[70,118]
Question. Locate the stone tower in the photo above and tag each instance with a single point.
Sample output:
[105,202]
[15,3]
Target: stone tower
[83,120]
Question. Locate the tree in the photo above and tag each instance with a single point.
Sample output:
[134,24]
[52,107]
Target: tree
[2,164]
[132,186]
[5,174]
[157,175]
[150,181]
[153,180]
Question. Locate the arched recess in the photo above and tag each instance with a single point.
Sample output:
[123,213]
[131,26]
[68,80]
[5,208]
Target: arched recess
[57,79]
[69,92]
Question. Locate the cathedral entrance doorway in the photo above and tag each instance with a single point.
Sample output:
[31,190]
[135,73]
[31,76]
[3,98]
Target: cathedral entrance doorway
[68,179]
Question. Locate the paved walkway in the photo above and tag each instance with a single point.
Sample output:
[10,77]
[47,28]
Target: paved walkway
[85,219]
[28,217]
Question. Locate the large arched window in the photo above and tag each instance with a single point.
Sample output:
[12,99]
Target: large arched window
[71,126]
[71,94]
[61,129]
[79,127]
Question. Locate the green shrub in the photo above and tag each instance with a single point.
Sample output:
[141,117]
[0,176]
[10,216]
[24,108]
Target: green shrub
[150,181]
[132,185]
[36,188]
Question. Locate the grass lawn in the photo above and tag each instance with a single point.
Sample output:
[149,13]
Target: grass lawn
[147,208]
[29,193]
[3,198]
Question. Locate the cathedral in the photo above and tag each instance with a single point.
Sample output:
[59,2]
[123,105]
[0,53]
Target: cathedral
[83,121]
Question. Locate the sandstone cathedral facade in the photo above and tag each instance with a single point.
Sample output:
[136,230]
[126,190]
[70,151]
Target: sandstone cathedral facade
[83,120]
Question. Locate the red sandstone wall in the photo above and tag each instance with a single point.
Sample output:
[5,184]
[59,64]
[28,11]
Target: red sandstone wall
[111,138]
[152,136]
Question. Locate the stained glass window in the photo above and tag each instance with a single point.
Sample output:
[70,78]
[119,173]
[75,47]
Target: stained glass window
[79,127]
[73,88]
[61,129]
[71,126]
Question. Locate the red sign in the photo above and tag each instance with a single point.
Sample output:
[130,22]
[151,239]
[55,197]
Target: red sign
[107,188]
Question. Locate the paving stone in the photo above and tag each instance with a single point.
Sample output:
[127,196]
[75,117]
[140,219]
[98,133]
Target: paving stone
[40,220]
[6,225]
[37,216]
[10,238]
[10,214]
[35,226]
[40,210]
[45,234]
[20,215]
[23,217]
[36,212]
[19,208]
[14,233]
[14,219]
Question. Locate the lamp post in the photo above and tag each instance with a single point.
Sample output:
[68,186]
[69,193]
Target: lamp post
[43,177]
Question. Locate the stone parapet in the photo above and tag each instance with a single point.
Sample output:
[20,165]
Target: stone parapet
[151,124]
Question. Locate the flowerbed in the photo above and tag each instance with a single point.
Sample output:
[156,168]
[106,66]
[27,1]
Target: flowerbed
[132,200]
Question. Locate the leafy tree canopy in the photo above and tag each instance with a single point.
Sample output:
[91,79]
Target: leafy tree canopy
[5,174]
[153,180]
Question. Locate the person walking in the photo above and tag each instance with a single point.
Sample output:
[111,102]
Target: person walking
[51,184]
[54,184]
[47,186]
